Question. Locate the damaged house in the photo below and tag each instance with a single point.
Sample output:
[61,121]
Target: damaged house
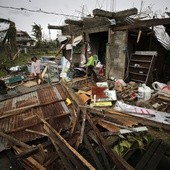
[130,48]
[52,127]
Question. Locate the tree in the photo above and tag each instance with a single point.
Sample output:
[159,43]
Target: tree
[37,33]
[10,37]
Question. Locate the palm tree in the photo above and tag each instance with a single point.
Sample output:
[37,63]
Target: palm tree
[37,33]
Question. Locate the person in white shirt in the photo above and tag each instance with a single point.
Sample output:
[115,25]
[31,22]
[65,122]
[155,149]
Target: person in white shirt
[36,69]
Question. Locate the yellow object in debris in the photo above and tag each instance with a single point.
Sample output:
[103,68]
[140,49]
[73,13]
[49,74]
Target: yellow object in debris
[68,101]
[101,104]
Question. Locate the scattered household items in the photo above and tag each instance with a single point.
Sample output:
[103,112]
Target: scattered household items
[78,71]
[164,93]
[157,85]
[14,79]
[144,92]
[150,114]
[72,123]
[16,68]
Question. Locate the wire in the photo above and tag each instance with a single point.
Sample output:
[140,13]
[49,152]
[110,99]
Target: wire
[38,11]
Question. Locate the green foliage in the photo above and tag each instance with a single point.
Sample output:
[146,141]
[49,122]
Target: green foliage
[37,33]
[125,144]
[118,149]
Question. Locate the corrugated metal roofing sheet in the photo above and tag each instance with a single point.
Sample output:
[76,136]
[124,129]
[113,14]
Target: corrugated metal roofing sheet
[18,113]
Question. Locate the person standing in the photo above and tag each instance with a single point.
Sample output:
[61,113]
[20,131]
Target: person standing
[36,69]
[90,66]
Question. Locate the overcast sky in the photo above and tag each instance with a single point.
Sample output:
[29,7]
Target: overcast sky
[25,19]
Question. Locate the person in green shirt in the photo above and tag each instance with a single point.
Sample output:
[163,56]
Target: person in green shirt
[90,66]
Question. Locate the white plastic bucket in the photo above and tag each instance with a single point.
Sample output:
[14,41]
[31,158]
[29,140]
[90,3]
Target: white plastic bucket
[144,92]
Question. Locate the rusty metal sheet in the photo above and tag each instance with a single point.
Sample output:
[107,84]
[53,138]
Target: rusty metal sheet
[49,104]
[5,106]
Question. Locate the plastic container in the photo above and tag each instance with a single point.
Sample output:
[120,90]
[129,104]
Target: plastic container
[144,92]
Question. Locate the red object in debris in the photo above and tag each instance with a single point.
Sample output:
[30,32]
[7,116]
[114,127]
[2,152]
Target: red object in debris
[99,92]
[166,88]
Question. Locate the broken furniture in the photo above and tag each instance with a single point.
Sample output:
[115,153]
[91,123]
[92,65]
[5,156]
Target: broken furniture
[141,66]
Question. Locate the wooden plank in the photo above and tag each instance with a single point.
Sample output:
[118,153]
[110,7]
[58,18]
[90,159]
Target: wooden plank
[14,140]
[110,115]
[43,154]
[51,159]
[31,161]
[64,149]
[119,162]
[105,163]
[33,150]
[148,154]
[67,164]
[65,144]
[156,157]
[79,141]
[93,154]
[75,121]
[36,132]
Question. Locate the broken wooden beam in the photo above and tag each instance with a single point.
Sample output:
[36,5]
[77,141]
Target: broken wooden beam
[112,115]
[115,15]
[14,140]
[80,139]
[74,22]
[119,161]
[92,153]
[33,150]
[34,164]
[69,151]
[66,162]
[51,159]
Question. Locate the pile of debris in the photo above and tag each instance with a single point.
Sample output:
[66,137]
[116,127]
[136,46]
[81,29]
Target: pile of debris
[76,132]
